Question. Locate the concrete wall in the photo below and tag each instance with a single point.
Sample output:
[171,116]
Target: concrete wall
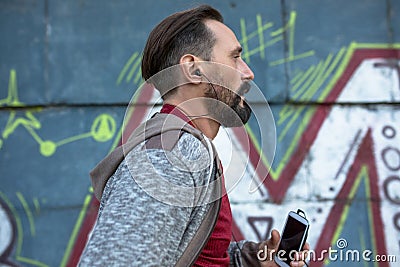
[329,69]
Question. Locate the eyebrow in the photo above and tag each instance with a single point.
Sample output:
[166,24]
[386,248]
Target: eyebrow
[237,50]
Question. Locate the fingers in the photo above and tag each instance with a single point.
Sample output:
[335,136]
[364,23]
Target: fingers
[300,257]
[306,246]
[271,245]
[274,239]
[297,263]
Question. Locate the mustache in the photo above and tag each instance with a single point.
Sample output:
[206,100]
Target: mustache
[244,88]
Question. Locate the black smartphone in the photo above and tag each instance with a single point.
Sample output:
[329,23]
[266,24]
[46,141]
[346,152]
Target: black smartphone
[294,236]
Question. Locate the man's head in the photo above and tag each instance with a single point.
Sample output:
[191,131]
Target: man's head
[179,34]
[189,38]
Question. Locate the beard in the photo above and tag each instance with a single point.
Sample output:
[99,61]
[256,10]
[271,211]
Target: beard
[226,108]
[244,112]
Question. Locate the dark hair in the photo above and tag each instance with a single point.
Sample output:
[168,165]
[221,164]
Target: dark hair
[179,34]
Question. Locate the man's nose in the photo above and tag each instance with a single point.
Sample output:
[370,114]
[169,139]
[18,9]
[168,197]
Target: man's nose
[247,72]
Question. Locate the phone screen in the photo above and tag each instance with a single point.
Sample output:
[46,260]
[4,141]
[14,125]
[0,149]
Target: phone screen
[291,238]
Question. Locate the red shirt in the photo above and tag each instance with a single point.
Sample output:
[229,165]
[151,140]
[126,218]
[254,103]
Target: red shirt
[215,252]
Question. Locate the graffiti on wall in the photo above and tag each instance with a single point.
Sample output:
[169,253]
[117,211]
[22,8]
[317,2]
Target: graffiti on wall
[20,117]
[7,234]
[332,181]
[336,180]
[102,130]
[11,232]
[335,160]
[267,36]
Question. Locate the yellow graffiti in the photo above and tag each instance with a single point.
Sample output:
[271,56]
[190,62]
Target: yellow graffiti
[20,231]
[313,84]
[289,27]
[36,205]
[77,226]
[362,175]
[14,120]
[12,98]
[135,72]
[28,212]
[275,36]
[306,89]
[102,130]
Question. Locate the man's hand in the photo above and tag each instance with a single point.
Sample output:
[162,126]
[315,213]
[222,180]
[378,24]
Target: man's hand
[271,247]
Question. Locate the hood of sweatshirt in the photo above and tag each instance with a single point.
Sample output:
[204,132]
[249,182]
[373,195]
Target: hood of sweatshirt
[167,125]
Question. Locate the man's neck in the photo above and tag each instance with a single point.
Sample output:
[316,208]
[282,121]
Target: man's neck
[202,122]
[207,126]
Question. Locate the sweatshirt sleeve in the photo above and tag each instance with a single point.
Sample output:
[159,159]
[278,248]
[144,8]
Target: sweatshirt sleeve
[243,253]
[136,225]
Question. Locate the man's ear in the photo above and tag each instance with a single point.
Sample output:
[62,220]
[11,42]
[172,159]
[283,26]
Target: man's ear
[189,65]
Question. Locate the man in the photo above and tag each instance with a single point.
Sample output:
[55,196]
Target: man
[163,199]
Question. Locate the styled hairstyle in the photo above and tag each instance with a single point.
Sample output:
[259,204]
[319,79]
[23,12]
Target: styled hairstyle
[180,33]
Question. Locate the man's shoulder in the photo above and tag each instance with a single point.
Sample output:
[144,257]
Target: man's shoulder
[188,150]
[192,148]
[188,158]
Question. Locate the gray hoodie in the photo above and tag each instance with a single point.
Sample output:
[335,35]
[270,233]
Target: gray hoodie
[159,199]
